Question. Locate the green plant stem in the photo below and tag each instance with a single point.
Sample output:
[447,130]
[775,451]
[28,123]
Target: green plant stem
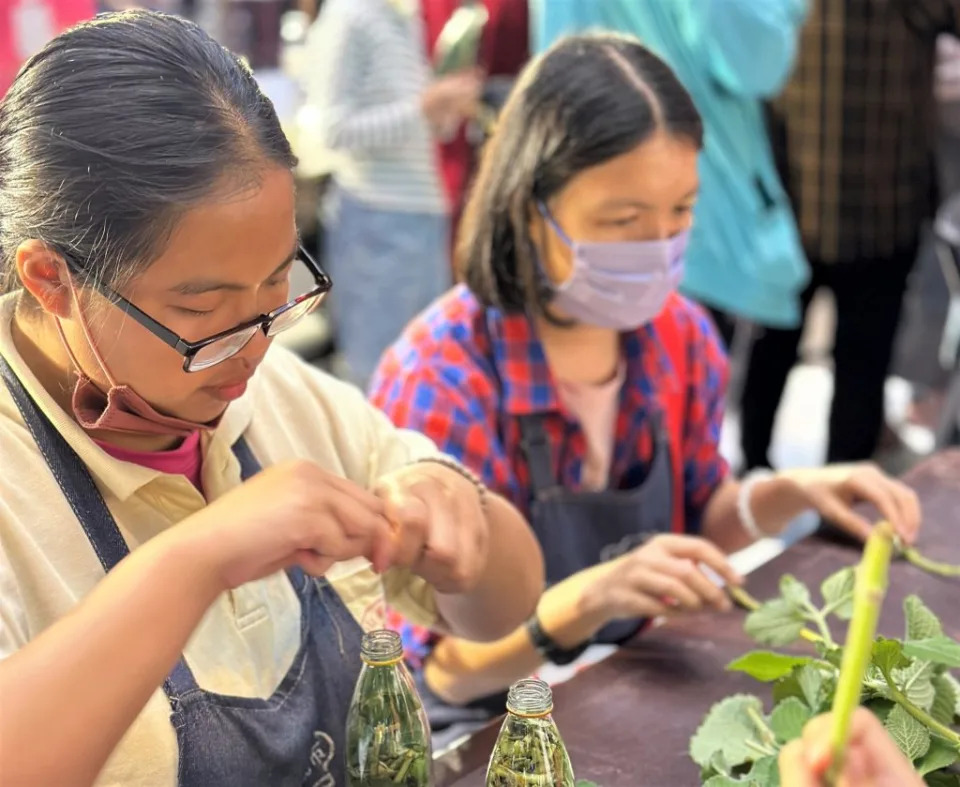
[744,600]
[914,556]
[765,732]
[869,590]
[820,620]
[920,714]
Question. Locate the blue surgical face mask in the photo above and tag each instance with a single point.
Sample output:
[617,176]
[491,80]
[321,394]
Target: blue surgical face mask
[620,285]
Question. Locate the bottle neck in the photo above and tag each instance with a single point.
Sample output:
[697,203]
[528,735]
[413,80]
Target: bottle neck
[530,699]
[382,648]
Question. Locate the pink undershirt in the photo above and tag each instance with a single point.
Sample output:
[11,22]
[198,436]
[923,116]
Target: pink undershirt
[596,408]
[186,459]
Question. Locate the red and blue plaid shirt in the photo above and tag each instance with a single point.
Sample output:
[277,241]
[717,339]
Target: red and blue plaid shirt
[461,374]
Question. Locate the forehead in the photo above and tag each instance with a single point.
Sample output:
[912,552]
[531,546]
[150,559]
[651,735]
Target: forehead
[660,170]
[240,235]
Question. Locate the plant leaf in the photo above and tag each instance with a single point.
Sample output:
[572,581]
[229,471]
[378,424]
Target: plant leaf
[794,591]
[916,681]
[942,779]
[725,729]
[888,655]
[811,682]
[777,622]
[764,773]
[945,700]
[940,755]
[765,665]
[908,733]
[921,622]
[956,689]
[722,780]
[939,650]
[788,719]
[837,591]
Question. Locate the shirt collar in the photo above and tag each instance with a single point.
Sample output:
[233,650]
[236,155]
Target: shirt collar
[121,479]
[527,384]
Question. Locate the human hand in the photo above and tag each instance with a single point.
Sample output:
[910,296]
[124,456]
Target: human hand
[450,99]
[872,758]
[661,577]
[440,526]
[835,489]
[290,514]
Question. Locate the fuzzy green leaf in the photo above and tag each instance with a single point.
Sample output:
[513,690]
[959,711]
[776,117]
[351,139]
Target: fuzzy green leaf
[788,719]
[940,755]
[837,591]
[721,780]
[944,706]
[921,622]
[888,655]
[916,681]
[725,729]
[908,733]
[811,684]
[765,665]
[777,622]
[939,650]
[956,689]
[764,773]
[794,591]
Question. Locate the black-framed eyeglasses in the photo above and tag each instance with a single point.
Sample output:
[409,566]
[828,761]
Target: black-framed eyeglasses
[204,353]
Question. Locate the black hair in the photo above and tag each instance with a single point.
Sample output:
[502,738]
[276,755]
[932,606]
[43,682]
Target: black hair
[587,100]
[115,129]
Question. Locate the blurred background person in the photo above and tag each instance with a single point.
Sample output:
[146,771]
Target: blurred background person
[744,258]
[503,50]
[854,131]
[386,218]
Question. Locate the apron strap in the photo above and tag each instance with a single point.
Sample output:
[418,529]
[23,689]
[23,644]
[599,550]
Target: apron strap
[536,447]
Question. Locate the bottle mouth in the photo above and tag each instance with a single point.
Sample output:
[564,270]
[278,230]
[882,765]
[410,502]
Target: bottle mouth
[531,698]
[381,648]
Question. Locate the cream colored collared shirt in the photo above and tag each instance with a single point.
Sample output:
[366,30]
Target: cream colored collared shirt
[247,640]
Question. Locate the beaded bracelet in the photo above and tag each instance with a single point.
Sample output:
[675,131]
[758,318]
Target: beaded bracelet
[472,477]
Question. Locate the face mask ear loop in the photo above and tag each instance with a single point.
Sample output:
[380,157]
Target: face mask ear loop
[86,332]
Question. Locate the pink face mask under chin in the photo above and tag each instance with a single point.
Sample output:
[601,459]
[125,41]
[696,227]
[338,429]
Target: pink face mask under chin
[120,409]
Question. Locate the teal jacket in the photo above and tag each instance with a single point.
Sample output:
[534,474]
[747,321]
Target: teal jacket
[745,255]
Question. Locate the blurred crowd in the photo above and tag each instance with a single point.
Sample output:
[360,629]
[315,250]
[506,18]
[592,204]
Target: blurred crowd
[832,155]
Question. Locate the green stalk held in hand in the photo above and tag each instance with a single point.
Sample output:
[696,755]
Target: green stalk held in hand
[869,590]
[388,736]
[529,751]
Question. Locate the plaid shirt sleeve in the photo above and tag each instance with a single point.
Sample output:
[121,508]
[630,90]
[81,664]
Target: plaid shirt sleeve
[452,402]
[704,469]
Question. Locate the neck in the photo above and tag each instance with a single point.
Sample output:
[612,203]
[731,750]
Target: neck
[39,345]
[581,353]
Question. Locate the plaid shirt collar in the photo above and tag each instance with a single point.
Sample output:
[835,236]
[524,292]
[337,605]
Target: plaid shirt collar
[528,386]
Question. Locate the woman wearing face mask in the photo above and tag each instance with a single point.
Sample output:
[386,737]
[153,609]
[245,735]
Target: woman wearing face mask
[573,379]
[147,226]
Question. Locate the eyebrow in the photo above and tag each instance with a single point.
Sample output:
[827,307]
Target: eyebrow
[201,286]
[632,203]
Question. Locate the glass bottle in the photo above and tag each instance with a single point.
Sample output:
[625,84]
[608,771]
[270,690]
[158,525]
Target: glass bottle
[388,735]
[529,750]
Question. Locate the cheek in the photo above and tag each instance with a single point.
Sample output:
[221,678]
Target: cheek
[557,259]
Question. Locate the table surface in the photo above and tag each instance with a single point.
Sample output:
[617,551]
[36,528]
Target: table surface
[627,721]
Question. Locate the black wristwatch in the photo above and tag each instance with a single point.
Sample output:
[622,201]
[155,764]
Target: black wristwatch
[549,649]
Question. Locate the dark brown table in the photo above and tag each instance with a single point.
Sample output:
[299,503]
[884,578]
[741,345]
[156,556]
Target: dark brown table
[627,721]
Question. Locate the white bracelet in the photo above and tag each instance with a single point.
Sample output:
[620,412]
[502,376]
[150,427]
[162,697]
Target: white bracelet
[750,480]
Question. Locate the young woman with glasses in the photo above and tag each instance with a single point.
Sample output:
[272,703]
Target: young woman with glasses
[194,528]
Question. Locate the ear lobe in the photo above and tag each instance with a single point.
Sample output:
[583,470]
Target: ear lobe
[43,274]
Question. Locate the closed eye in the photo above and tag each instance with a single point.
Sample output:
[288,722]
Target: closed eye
[193,312]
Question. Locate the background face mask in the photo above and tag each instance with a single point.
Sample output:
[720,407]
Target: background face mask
[620,285]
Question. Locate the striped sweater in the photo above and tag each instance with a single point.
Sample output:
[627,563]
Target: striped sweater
[366,71]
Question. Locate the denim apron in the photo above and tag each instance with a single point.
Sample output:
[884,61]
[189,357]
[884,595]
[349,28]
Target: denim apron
[578,530]
[294,737]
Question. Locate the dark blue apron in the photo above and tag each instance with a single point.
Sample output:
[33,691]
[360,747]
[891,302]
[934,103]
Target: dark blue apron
[578,530]
[294,737]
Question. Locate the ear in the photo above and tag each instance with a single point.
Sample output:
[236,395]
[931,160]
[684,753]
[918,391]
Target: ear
[44,275]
